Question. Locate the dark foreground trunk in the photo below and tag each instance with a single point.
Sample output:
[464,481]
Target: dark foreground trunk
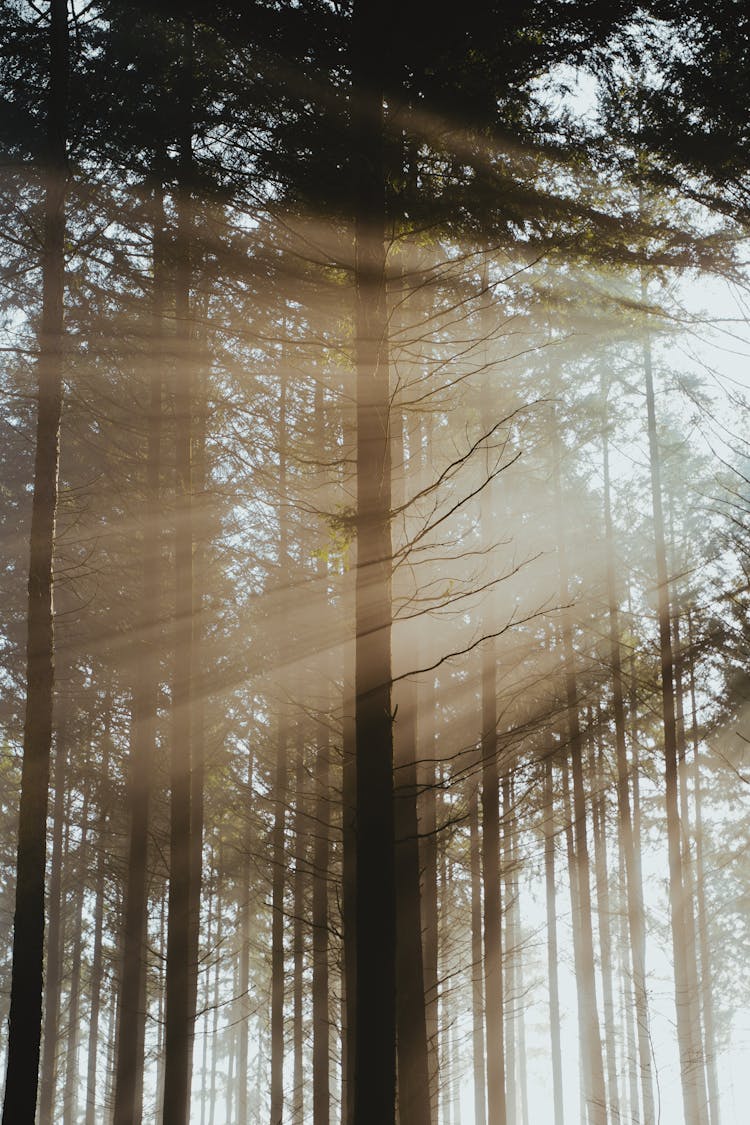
[25,1019]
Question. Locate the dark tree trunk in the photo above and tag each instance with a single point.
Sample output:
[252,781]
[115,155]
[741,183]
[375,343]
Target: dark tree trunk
[277,930]
[179,1001]
[375,1036]
[493,948]
[320,983]
[349,900]
[429,899]
[298,941]
[477,982]
[509,951]
[25,1017]
[128,1107]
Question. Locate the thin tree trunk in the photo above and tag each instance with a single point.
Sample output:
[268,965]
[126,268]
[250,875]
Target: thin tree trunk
[585,974]
[70,1091]
[27,981]
[509,950]
[706,974]
[349,898]
[693,1086]
[413,1072]
[243,1075]
[599,824]
[320,983]
[477,982]
[552,948]
[277,930]
[375,1035]
[634,887]
[429,895]
[128,1107]
[54,934]
[298,942]
[180,1003]
[97,969]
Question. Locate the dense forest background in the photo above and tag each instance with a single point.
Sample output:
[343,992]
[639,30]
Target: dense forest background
[375,505]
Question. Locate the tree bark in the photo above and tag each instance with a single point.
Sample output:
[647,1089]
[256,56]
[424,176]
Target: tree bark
[691,1069]
[477,982]
[375,1036]
[25,1017]
[128,1107]
[586,980]
[634,887]
[54,935]
[552,947]
[179,1025]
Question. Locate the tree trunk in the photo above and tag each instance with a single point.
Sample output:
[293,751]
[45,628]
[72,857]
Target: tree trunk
[298,941]
[552,949]
[179,1025]
[510,951]
[429,895]
[128,1107]
[320,983]
[604,914]
[634,886]
[706,973]
[277,930]
[477,983]
[70,1092]
[54,935]
[693,1087]
[585,974]
[97,969]
[375,1036]
[25,1016]
[243,1071]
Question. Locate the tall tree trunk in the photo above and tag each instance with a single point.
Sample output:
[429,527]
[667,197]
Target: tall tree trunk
[280,803]
[97,966]
[604,914]
[413,1073]
[70,1091]
[349,895]
[552,948]
[429,892]
[277,930]
[585,974]
[634,887]
[128,1107]
[706,973]
[25,1017]
[298,941]
[179,1025]
[54,935]
[243,1072]
[509,950]
[320,982]
[97,970]
[477,982]
[691,1069]
[375,1036]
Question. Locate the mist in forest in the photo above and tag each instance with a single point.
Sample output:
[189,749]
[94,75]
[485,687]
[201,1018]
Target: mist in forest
[374,500]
